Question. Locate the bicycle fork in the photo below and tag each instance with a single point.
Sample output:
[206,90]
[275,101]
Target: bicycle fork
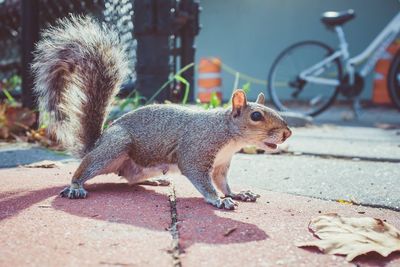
[350,69]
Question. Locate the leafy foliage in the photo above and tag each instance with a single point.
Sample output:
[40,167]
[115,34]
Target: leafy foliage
[9,85]
[178,77]
[14,119]
[215,102]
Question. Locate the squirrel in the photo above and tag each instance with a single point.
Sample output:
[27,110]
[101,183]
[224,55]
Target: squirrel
[79,66]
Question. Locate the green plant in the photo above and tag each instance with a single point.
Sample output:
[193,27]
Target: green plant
[177,77]
[214,102]
[9,85]
[9,97]
[246,87]
[133,101]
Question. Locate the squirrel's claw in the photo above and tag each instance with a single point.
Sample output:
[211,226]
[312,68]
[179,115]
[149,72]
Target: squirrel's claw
[225,203]
[74,193]
[246,196]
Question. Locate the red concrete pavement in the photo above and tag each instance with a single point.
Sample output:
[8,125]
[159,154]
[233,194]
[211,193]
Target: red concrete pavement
[116,225]
[119,225]
[262,233]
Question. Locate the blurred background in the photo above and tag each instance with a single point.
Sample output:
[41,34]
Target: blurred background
[248,35]
[245,35]
[197,52]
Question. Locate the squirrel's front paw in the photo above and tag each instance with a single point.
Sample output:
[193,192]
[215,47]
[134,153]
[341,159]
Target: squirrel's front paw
[247,196]
[224,203]
[74,191]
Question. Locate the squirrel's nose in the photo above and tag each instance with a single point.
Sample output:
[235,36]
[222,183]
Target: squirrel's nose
[286,134]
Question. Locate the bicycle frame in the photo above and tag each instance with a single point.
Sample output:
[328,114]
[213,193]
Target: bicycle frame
[373,53]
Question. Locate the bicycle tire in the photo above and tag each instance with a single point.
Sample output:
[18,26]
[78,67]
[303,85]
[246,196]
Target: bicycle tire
[393,84]
[271,90]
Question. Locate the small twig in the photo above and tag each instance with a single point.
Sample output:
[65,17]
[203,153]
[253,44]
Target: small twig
[230,231]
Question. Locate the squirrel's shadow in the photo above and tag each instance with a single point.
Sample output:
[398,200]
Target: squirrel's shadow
[142,207]
[12,203]
[198,222]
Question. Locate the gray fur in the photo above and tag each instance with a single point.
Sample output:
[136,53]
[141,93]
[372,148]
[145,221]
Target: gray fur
[78,68]
[77,75]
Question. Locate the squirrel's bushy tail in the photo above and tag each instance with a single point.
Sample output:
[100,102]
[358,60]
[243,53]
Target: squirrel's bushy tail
[78,68]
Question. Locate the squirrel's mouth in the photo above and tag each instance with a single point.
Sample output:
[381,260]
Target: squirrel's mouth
[271,145]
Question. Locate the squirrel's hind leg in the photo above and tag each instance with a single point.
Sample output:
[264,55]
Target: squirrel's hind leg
[94,163]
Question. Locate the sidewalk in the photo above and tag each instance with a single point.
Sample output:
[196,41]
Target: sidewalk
[121,225]
[370,116]
[118,225]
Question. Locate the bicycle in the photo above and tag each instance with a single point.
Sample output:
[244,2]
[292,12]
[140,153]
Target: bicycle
[319,66]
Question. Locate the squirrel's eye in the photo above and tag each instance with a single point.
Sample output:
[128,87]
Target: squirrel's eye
[256,116]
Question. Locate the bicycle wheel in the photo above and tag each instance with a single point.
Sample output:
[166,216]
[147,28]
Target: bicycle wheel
[393,80]
[289,92]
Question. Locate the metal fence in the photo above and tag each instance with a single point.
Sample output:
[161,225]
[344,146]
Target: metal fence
[170,20]
[10,35]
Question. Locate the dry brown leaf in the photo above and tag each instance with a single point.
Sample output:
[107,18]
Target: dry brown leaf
[387,126]
[353,236]
[42,137]
[47,164]
[15,120]
[345,202]
[249,150]
[254,150]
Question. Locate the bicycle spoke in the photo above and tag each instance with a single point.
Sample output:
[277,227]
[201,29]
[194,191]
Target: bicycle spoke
[290,92]
[316,100]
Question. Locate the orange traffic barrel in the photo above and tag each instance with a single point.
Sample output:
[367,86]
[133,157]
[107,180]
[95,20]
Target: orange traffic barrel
[381,92]
[209,79]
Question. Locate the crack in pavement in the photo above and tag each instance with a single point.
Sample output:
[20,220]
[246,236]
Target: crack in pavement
[360,204]
[175,249]
[344,157]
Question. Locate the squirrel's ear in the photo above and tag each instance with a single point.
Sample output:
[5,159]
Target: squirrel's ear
[239,102]
[261,99]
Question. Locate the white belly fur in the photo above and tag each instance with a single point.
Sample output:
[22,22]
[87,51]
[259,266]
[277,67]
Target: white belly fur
[225,155]
[139,174]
